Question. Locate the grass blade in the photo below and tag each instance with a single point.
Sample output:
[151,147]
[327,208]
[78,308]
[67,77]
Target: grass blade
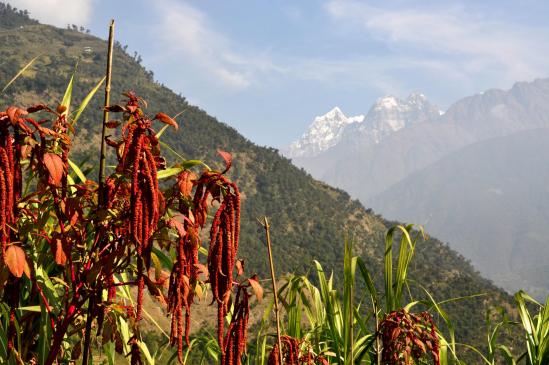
[86,101]
[66,102]
[20,72]
[77,171]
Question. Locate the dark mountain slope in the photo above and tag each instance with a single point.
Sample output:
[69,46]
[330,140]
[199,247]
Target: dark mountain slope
[309,218]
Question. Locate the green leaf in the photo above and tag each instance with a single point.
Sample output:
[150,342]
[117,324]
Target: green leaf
[145,351]
[45,334]
[109,349]
[187,164]
[31,308]
[163,174]
[77,171]
[165,260]
[66,102]
[20,73]
[86,101]
[161,131]
[125,334]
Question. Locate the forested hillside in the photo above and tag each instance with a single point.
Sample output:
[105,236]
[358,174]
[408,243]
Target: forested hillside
[309,219]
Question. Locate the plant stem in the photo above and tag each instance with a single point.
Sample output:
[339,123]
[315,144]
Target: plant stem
[378,342]
[275,290]
[102,159]
[87,331]
[101,191]
[58,339]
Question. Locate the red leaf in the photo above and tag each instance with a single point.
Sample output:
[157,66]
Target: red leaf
[185,182]
[59,252]
[228,158]
[72,210]
[175,223]
[16,261]
[256,287]
[47,131]
[166,119]
[25,151]
[130,95]
[239,267]
[112,143]
[55,167]
[154,290]
[14,113]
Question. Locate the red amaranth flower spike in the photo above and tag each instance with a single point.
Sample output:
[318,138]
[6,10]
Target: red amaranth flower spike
[295,352]
[409,337]
[235,342]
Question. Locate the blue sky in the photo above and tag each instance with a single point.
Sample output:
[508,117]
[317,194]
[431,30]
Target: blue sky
[268,67]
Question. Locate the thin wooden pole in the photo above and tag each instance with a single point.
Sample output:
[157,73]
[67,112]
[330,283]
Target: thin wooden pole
[101,191]
[273,280]
[103,157]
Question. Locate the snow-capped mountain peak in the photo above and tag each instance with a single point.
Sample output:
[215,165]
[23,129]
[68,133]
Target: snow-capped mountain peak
[417,98]
[332,114]
[388,115]
[387,102]
[324,132]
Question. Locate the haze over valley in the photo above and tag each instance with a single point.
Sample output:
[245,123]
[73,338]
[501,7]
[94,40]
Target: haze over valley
[474,176]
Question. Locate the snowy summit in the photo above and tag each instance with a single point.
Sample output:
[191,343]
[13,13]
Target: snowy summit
[388,115]
[324,132]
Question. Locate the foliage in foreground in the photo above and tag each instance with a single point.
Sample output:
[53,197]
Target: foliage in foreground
[355,323]
[71,247]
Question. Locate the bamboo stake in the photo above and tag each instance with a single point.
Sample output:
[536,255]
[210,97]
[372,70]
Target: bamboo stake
[273,280]
[101,191]
[102,159]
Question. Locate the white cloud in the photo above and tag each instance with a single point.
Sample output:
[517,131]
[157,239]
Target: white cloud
[186,32]
[57,12]
[471,44]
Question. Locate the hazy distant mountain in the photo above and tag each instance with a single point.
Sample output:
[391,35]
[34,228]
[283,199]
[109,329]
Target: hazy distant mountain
[365,150]
[490,200]
[366,167]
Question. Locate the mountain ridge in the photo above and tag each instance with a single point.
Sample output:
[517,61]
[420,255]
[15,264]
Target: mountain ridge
[387,115]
